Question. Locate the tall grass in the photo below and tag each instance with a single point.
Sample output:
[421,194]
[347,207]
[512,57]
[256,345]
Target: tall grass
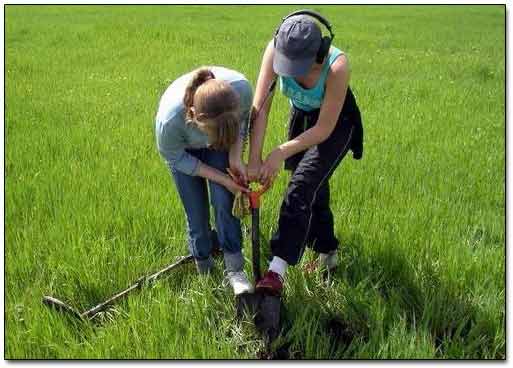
[90,206]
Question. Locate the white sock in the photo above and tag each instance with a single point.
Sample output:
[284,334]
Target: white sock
[279,266]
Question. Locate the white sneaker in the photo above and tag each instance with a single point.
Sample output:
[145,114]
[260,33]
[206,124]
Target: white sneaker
[239,282]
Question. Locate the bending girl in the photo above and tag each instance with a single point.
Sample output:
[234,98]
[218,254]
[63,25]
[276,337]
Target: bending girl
[200,126]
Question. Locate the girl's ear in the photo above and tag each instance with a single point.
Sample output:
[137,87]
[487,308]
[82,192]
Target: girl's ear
[192,112]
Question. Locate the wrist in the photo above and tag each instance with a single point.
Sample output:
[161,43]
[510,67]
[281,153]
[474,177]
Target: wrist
[255,161]
[281,152]
[233,155]
[225,180]
[232,160]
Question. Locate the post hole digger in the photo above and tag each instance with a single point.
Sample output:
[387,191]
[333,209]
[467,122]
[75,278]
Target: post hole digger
[265,309]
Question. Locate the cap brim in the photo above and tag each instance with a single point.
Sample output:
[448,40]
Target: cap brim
[284,66]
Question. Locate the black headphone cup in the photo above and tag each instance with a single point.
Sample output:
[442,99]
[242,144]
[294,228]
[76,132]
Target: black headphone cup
[324,49]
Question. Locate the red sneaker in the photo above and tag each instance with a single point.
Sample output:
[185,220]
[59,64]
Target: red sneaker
[271,284]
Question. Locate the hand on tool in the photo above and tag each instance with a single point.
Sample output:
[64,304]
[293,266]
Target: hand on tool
[244,201]
[238,172]
[234,186]
[271,167]
[253,170]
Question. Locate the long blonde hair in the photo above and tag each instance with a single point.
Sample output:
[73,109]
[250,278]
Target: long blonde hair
[213,106]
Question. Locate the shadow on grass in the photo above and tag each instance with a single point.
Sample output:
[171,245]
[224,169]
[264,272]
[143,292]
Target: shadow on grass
[456,325]
[420,297]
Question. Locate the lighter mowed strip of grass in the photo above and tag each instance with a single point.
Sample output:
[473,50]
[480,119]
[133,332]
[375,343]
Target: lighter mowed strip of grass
[90,206]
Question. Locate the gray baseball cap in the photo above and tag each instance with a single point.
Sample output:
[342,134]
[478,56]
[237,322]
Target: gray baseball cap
[296,45]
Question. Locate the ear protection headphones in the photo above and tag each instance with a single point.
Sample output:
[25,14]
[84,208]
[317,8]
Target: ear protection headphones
[325,41]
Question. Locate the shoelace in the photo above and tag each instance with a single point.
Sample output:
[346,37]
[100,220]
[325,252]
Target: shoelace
[225,281]
[238,276]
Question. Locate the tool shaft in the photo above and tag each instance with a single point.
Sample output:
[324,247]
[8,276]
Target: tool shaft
[89,314]
[255,242]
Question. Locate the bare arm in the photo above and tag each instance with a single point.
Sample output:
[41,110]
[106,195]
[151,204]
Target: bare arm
[236,149]
[259,125]
[236,163]
[336,89]
[219,177]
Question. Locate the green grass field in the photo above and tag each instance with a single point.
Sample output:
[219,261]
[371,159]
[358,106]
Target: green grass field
[90,206]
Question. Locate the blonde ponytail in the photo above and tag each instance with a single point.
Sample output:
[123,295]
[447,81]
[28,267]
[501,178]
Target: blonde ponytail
[199,77]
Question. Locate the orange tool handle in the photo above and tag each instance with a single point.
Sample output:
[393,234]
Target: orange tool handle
[254,196]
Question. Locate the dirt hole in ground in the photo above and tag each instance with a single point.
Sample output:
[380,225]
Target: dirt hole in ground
[340,331]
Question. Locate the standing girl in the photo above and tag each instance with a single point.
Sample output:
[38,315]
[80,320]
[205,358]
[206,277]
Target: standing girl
[324,124]
[200,127]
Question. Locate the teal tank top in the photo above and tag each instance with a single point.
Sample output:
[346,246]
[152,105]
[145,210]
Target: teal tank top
[308,99]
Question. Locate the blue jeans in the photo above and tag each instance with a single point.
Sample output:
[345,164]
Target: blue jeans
[194,195]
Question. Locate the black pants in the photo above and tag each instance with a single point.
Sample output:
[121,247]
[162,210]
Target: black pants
[305,214]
